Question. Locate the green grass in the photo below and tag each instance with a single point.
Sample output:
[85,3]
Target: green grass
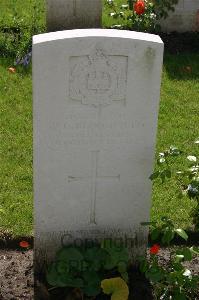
[19,20]
[178,125]
[106,20]
[15,150]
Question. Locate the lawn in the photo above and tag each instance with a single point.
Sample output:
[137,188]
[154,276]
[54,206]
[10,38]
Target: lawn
[178,125]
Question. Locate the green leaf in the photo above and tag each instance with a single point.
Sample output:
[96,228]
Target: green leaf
[194,250]
[62,267]
[71,256]
[69,253]
[122,267]
[125,276]
[155,274]
[117,253]
[92,283]
[178,258]
[168,173]
[168,236]
[143,265]
[117,287]
[182,233]
[163,176]
[179,296]
[174,151]
[155,234]
[95,257]
[54,278]
[92,290]
[187,254]
[154,175]
[177,266]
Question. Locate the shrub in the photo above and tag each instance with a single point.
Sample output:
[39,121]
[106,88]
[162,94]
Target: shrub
[139,15]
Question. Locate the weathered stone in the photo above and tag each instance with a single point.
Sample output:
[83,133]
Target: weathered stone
[73,14]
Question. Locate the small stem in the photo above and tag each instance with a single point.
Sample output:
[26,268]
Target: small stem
[53,288]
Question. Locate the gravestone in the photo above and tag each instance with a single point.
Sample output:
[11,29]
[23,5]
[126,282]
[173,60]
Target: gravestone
[72,14]
[96,96]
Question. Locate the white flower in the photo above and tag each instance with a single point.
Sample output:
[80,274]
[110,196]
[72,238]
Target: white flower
[191,189]
[194,168]
[191,158]
[152,16]
[187,273]
[161,154]
[125,6]
[116,26]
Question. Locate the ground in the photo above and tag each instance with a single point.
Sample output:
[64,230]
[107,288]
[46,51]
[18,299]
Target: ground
[16,275]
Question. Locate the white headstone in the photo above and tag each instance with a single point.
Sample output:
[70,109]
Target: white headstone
[96,96]
[70,14]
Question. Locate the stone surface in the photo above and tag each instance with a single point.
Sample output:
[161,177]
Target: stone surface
[184,18]
[96,96]
[70,14]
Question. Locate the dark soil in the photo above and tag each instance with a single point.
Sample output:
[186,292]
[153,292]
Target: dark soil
[16,279]
[16,275]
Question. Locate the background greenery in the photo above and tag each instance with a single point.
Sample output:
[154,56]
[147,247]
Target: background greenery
[178,120]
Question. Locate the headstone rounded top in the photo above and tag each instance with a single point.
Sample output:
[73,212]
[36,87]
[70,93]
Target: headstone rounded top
[79,33]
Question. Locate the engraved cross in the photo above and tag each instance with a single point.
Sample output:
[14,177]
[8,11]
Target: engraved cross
[93,179]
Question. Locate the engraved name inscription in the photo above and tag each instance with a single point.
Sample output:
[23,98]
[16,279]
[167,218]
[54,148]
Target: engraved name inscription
[98,79]
[76,130]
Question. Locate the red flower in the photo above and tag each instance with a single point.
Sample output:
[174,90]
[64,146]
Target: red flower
[24,244]
[139,7]
[155,249]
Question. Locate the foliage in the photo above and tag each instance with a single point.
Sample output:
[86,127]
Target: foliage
[175,282]
[85,267]
[165,231]
[117,287]
[19,21]
[187,177]
[163,7]
[139,15]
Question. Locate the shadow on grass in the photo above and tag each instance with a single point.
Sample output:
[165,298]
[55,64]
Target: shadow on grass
[182,66]
[176,43]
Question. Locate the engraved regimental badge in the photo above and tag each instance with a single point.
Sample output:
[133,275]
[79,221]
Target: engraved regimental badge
[98,79]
